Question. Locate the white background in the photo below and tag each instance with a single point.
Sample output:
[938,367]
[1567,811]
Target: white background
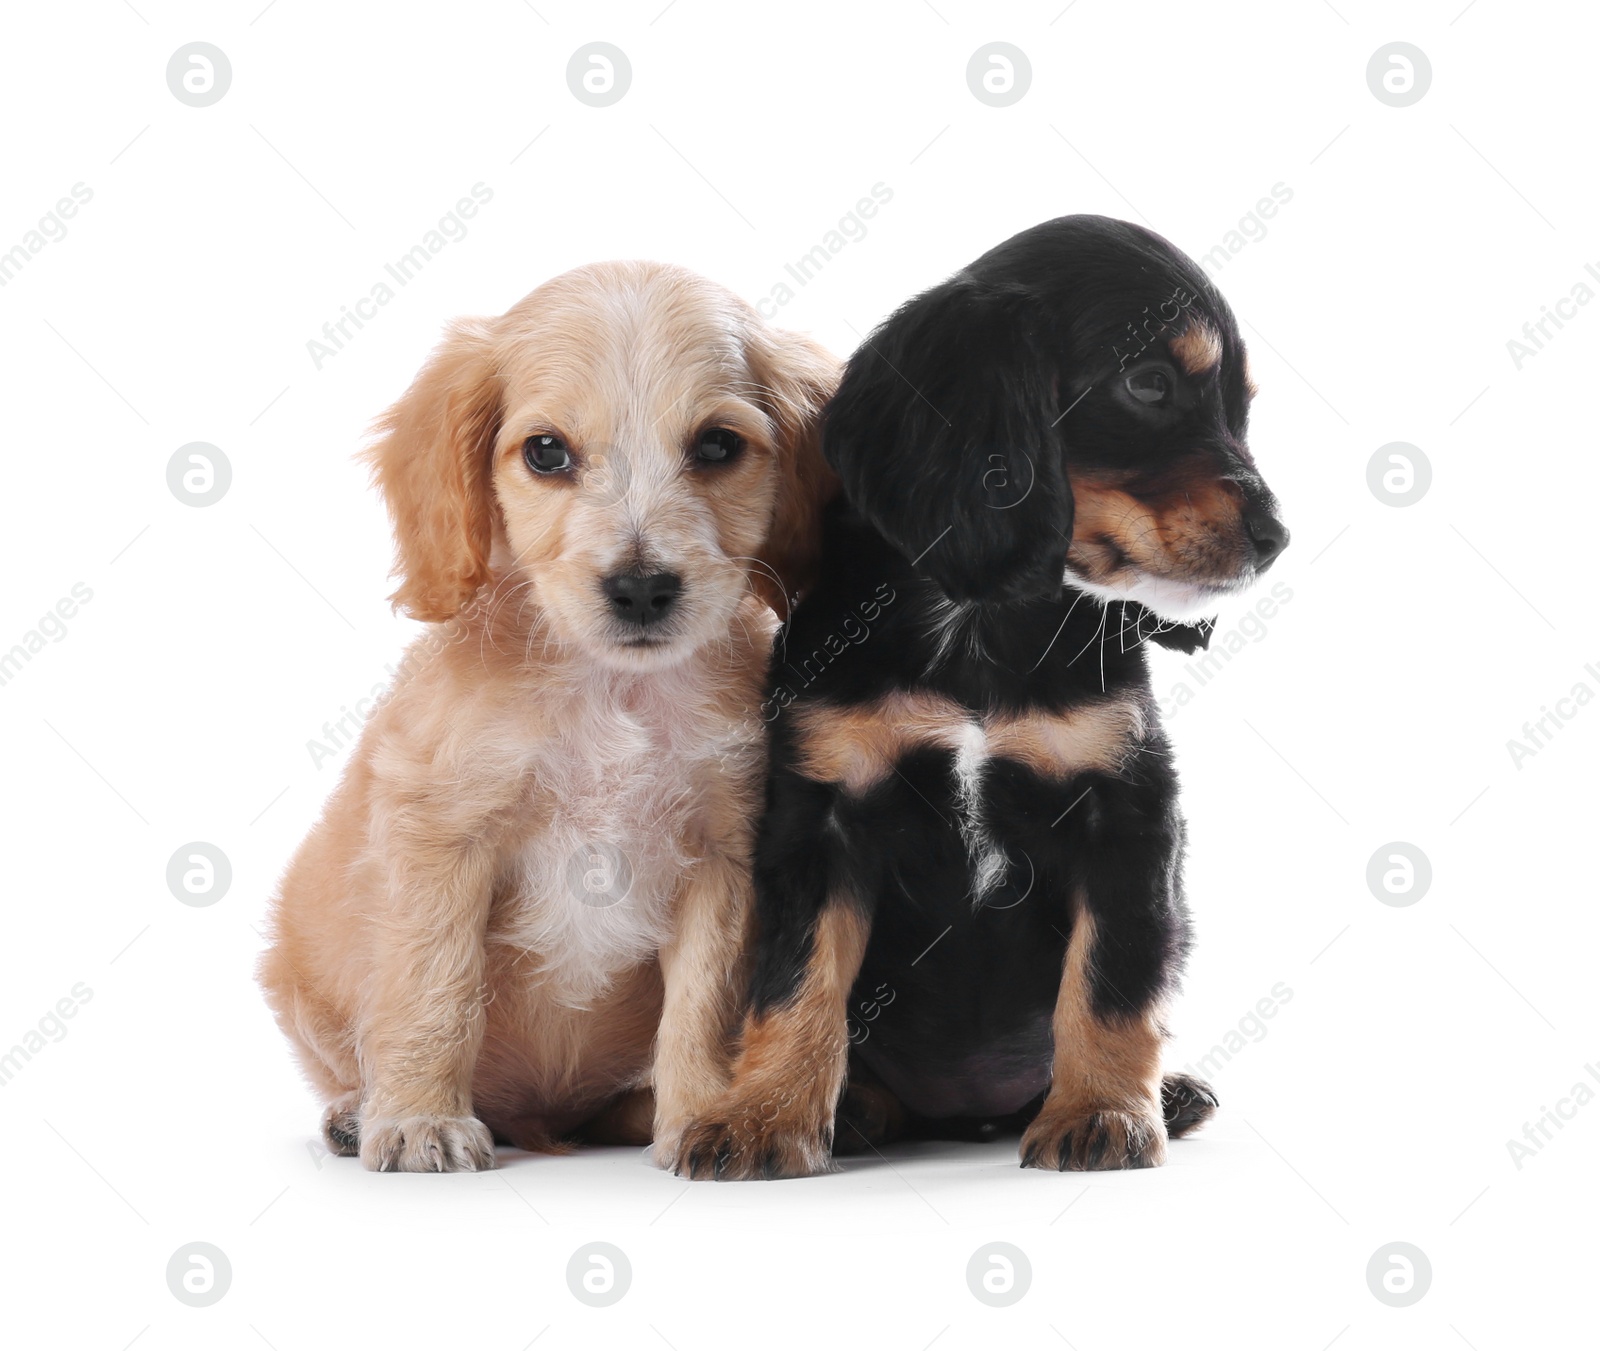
[1378,1104]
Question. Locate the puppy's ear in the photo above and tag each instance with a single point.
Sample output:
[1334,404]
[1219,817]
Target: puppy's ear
[797,376]
[942,432]
[432,462]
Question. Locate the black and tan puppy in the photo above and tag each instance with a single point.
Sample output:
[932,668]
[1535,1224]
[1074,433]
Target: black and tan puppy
[968,875]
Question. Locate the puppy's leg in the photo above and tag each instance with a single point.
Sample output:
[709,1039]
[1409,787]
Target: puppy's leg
[1104,1107]
[320,1038]
[702,973]
[423,1011]
[777,1118]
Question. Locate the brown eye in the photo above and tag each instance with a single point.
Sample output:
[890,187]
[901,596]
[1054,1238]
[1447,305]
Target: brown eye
[546,454]
[1151,386]
[717,446]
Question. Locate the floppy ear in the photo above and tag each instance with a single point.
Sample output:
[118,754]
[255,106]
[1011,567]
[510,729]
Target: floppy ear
[432,464]
[797,376]
[942,432]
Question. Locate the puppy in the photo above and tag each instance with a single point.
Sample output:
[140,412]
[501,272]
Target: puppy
[539,854]
[967,877]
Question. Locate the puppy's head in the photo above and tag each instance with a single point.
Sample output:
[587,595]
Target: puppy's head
[1070,408]
[630,443]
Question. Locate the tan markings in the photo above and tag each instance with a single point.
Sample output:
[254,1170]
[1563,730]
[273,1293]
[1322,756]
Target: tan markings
[1100,1063]
[857,747]
[776,1120]
[1198,348]
[1104,1105]
[1112,531]
[1250,385]
[1058,745]
[1190,532]
[809,1029]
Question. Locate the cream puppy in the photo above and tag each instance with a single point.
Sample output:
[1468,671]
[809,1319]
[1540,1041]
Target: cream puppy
[526,902]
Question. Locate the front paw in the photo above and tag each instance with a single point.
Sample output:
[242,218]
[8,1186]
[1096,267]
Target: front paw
[1081,1141]
[734,1146]
[676,1114]
[426,1144]
[664,1141]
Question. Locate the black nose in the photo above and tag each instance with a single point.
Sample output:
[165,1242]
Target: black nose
[1267,533]
[642,600]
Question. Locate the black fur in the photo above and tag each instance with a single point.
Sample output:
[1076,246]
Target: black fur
[957,430]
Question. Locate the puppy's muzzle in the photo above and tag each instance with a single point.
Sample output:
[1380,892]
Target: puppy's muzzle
[643,601]
[1267,533]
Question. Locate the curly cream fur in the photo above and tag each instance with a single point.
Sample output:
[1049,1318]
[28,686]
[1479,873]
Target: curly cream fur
[442,958]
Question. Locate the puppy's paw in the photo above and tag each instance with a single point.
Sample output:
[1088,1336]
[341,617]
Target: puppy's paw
[426,1144]
[675,1114]
[740,1147]
[867,1116]
[664,1145]
[1094,1140]
[341,1126]
[1187,1104]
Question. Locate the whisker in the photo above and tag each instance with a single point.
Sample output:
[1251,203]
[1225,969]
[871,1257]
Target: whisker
[1092,636]
[1057,633]
[771,572]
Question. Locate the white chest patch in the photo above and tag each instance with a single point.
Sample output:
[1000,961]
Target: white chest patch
[986,859]
[620,788]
